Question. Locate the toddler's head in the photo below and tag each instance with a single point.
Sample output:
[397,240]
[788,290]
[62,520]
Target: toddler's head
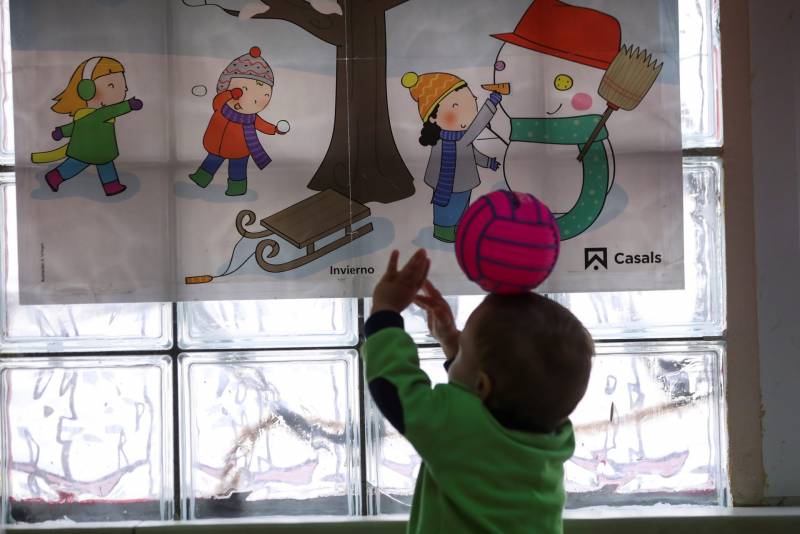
[527,357]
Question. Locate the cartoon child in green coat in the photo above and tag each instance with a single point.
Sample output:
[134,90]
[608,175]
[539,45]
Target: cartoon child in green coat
[94,98]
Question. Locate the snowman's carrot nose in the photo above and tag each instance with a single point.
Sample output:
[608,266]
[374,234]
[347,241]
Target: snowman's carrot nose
[502,88]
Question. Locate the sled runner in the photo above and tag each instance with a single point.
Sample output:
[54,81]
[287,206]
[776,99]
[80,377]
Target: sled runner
[302,225]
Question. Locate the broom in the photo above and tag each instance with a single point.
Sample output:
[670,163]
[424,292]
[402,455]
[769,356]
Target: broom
[626,82]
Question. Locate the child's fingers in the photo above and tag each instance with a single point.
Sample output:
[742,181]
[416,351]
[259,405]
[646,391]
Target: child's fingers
[411,270]
[435,308]
[431,290]
[443,310]
[392,267]
[423,276]
[424,302]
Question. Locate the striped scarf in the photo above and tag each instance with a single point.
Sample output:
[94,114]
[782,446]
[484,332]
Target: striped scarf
[248,122]
[447,171]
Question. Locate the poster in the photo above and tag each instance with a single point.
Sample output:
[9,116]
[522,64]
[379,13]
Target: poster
[272,149]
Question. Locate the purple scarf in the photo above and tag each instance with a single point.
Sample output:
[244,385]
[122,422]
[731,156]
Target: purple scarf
[248,122]
[447,168]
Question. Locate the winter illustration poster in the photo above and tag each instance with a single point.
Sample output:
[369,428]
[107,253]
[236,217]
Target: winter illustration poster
[273,149]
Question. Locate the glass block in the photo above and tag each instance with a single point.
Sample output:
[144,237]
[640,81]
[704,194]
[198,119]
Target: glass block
[6,87]
[270,433]
[65,328]
[701,94]
[650,428]
[86,439]
[698,310]
[627,450]
[268,324]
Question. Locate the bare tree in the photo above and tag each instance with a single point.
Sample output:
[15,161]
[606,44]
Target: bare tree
[362,161]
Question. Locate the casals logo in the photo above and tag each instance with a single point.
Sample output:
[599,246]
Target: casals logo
[595,258]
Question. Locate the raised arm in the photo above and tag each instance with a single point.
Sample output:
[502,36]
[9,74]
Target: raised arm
[400,389]
[65,131]
[109,112]
[483,118]
[222,98]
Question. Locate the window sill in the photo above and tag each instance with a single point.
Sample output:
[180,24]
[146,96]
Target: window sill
[711,520]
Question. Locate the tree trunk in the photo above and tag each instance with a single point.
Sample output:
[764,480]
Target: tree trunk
[362,161]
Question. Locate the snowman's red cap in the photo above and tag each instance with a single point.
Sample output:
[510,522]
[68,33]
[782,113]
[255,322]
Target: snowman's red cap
[573,33]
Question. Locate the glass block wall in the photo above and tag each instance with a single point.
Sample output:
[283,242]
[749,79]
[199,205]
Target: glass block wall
[627,452]
[258,408]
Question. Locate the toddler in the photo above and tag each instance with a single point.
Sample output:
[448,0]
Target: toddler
[494,439]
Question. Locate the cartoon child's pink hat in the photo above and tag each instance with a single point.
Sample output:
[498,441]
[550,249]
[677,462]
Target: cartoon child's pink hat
[250,65]
[578,34]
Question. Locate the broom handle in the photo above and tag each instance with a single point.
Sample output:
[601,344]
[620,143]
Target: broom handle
[596,132]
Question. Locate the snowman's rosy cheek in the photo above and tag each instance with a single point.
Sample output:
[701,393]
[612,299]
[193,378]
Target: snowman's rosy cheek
[581,102]
[500,65]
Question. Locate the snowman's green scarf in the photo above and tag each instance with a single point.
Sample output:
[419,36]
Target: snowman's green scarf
[573,131]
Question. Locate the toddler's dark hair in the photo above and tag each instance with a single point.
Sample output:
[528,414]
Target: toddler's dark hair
[538,356]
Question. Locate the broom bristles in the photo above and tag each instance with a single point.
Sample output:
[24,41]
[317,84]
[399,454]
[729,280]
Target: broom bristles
[629,77]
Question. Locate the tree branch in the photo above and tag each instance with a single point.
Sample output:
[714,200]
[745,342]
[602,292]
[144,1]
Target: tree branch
[328,28]
[389,4]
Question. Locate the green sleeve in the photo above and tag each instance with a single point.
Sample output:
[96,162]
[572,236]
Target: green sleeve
[391,355]
[66,130]
[109,112]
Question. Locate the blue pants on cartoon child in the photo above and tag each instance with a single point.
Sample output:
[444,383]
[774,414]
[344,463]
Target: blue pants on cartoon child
[450,215]
[237,168]
[71,167]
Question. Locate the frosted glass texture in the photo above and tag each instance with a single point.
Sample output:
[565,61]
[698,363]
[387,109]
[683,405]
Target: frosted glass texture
[268,324]
[701,94]
[628,451]
[63,328]
[6,88]
[86,439]
[697,310]
[270,433]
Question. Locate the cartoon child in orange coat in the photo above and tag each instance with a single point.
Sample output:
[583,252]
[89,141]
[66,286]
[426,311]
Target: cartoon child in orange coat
[244,89]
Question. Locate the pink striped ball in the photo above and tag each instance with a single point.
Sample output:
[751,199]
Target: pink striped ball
[507,242]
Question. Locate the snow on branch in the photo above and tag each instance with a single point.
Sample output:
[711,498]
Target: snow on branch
[321,18]
[326,7]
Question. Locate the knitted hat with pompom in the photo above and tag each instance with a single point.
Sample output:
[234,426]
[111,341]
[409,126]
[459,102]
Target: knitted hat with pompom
[250,65]
[429,89]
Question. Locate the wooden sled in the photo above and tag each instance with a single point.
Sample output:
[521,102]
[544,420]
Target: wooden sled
[302,225]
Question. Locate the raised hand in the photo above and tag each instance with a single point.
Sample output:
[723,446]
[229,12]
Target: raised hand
[397,289]
[441,322]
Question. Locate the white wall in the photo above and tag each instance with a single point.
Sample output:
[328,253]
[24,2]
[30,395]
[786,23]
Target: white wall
[775,66]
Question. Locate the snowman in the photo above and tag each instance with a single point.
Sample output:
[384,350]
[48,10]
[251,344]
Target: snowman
[554,61]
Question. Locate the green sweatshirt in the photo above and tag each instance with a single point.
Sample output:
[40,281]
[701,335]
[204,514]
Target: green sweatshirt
[477,476]
[93,139]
